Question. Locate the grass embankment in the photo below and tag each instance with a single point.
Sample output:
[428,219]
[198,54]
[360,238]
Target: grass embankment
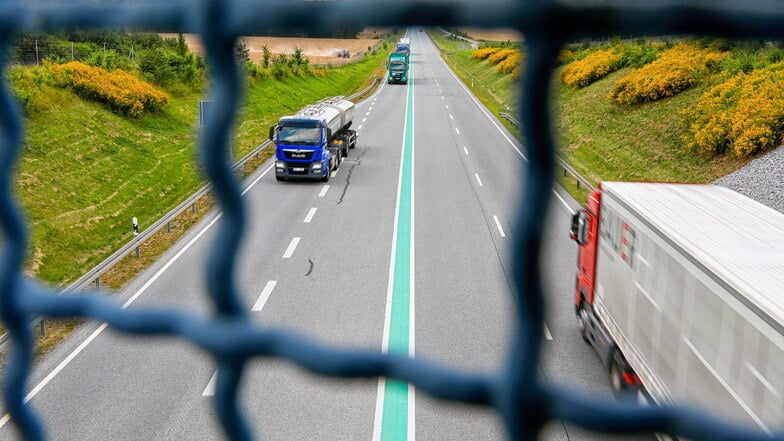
[86,172]
[602,140]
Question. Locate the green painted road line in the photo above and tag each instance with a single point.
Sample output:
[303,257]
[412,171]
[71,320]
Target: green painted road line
[394,419]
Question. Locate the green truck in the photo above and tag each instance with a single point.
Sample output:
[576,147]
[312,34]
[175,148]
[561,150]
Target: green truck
[398,68]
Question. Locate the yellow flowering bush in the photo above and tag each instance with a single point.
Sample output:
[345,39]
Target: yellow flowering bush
[482,54]
[565,56]
[676,69]
[581,73]
[508,61]
[744,114]
[121,91]
[501,55]
[511,63]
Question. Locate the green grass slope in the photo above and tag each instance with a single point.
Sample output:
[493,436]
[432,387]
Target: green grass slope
[86,172]
[599,139]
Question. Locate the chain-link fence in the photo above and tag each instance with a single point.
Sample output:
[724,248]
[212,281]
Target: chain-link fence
[523,401]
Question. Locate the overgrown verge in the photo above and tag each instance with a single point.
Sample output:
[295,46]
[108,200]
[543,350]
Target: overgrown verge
[743,115]
[674,71]
[602,140]
[86,171]
[121,91]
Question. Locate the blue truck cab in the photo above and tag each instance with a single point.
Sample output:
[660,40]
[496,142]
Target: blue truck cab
[312,143]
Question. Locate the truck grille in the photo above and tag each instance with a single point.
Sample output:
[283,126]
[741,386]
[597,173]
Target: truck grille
[301,155]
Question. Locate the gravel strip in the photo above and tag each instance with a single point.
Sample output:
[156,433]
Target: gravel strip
[762,179]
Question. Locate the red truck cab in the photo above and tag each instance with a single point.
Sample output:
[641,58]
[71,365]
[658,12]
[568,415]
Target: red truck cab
[585,231]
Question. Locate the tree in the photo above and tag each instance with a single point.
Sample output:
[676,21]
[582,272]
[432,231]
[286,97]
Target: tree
[241,53]
[182,48]
[265,56]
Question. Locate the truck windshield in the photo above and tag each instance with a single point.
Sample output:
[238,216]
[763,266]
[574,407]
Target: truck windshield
[299,135]
[397,65]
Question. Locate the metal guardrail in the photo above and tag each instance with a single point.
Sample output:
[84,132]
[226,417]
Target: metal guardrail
[525,403]
[474,44]
[92,277]
[561,163]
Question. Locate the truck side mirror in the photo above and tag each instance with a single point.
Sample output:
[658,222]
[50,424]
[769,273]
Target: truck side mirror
[579,229]
[329,135]
[272,131]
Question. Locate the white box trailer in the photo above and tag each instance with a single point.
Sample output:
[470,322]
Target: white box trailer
[680,288]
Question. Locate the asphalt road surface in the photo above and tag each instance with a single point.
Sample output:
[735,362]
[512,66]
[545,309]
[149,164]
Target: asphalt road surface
[406,248]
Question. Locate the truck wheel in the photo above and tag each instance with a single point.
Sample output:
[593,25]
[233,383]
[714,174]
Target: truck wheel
[621,390]
[582,322]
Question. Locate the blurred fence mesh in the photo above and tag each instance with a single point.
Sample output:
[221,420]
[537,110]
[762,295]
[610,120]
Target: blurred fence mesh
[523,401]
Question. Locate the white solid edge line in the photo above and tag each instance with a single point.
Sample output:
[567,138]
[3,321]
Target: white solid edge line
[323,191]
[209,391]
[388,310]
[309,217]
[133,298]
[568,208]
[264,296]
[292,246]
[256,180]
[479,105]
[498,225]
[412,278]
[411,413]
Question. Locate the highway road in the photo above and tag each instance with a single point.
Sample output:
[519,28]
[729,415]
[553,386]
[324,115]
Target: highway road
[406,248]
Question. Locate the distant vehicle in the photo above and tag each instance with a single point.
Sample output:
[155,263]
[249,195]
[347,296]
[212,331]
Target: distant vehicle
[397,68]
[312,142]
[680,289]
[404,45]
[343,53]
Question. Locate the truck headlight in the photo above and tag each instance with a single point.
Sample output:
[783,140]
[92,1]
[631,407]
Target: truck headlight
[317,166]
[280,164]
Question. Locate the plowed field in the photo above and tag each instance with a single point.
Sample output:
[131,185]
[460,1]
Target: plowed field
[317,50]
[493,34]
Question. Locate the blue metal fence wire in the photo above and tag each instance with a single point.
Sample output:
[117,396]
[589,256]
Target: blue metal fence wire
[516,392]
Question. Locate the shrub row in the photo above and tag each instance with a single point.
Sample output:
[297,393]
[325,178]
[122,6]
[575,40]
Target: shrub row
[508,61]
[675,69]
[581,73]
[122,92]
[511,64]
[482,54]
[744,114]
